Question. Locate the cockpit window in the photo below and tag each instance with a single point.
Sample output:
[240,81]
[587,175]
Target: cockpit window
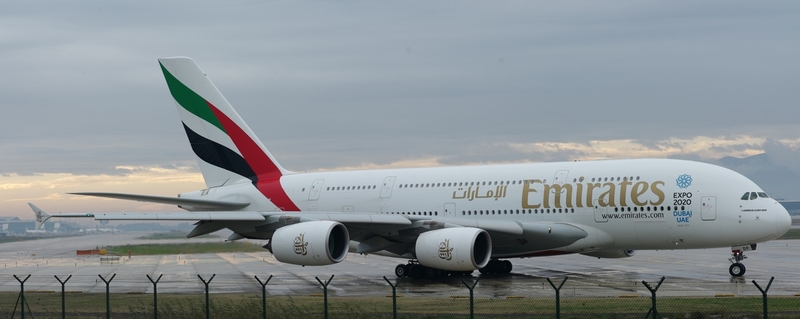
[762,195]
[753,195]
[746,196]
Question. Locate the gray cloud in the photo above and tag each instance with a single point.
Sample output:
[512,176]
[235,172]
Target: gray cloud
[336,84]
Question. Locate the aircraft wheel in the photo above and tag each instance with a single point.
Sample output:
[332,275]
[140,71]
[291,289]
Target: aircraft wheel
[737,269]
[506,266]
[401,270]
[430,273]
[415,271]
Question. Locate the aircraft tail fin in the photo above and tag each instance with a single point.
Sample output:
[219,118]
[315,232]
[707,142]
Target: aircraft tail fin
[227,150]
[41,216]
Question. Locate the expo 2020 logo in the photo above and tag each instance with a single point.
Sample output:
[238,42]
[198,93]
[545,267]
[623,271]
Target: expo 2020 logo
[684,181]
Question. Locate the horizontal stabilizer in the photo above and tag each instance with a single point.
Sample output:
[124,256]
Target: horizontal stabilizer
[196,204]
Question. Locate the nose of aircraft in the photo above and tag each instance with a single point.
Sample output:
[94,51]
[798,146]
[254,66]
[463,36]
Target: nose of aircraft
[782,220]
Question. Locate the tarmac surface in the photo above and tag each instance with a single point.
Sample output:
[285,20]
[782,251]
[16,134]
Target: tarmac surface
[688,272]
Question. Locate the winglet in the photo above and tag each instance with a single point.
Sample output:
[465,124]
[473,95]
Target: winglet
[41,216]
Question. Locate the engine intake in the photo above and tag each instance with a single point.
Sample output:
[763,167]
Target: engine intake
[315,243]
[454,249]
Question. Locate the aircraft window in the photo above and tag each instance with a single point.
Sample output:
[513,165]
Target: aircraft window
[328,189]
[559,211]
[662,208]
[592,179]
[648,208]
[629,209]
[572,210]
[616,209]
[753,195]
[580,179]
[359,187]
[606,179]
[635,208]
[762,195]
[637,178]
[436,213]
[683,207]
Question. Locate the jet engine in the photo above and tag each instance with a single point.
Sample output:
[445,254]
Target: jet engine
[611,253]
[454,249]
[314,243]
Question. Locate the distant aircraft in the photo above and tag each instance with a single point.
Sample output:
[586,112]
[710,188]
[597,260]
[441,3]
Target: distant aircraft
[451,220]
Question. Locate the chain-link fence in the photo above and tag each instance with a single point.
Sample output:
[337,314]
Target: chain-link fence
[239,296]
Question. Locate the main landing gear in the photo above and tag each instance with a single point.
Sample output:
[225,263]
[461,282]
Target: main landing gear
[414,270]
[737,269]
[496,266]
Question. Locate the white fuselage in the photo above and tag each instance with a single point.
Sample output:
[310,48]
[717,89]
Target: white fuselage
[627,204]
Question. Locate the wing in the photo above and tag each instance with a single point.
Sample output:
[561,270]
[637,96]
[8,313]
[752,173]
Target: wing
[371,232]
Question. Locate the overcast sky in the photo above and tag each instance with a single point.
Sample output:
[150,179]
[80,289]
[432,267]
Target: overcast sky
[330,85]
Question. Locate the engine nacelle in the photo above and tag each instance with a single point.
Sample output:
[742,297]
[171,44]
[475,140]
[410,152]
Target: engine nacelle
[611,253]
[314,243]
[454,249]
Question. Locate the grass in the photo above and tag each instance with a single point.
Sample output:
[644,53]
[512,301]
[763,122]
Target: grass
[187,248]
[171,235]
[48,305]
[793,233]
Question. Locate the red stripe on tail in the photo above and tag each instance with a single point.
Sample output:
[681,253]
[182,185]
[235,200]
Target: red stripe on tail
[267,173]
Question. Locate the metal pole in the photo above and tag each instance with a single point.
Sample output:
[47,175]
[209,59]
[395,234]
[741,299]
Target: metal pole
[263,295]
[155,294]
[21,298]
[325,293]
[108,293]
[63,299]
[208,311]
[471,299]
[394,294]
[558,295]
[764,295]
[653,308]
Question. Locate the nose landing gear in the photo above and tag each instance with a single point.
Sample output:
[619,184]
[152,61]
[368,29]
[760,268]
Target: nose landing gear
[737,269]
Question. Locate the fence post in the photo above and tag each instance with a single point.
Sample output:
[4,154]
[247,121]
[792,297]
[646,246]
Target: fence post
[155,294]
[471,300]
[21,298]
[108,305]
[325,293]
[263,295]
[208,311]
[764,295]
[63,299]
[653,308]
[394,294]
[558,295]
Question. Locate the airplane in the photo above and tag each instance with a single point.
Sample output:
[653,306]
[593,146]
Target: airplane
[448,221]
